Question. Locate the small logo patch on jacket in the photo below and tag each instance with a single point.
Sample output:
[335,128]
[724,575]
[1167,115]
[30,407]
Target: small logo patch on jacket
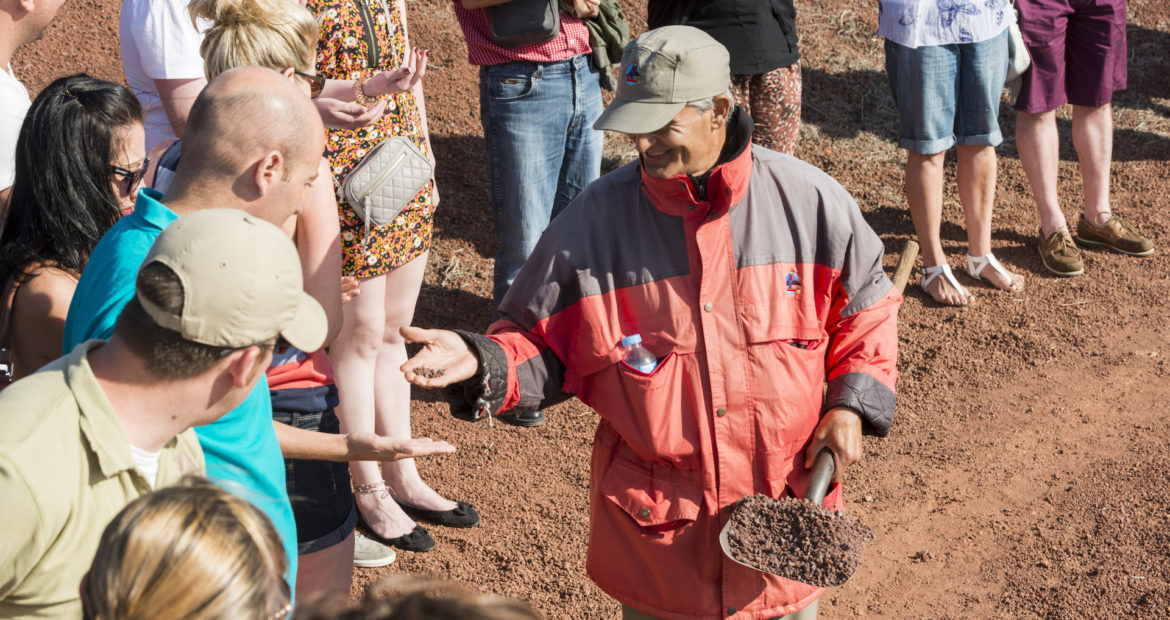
[793,282]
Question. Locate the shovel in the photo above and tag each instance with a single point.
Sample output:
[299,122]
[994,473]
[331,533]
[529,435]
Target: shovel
[824,466]
[822,474]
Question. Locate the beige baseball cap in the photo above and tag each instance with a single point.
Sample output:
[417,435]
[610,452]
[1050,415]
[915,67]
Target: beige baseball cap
[662,71]
[242,282]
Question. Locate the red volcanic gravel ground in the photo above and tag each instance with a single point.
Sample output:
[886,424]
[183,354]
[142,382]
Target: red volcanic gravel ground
[1026,473]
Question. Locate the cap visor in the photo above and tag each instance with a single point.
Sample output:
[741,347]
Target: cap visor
[637,116]
[307,330]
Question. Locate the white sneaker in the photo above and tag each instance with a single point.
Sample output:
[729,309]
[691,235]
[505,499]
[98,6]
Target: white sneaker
[371,554]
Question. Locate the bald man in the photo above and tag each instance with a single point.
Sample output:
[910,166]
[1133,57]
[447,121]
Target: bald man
[253,142]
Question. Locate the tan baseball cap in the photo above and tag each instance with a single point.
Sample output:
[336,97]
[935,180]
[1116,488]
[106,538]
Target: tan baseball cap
[242,282]
[662,71]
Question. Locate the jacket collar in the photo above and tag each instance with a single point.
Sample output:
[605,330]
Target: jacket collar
[726,183]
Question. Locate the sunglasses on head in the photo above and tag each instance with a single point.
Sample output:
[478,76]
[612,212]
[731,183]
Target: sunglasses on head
[131,177]
[316,82]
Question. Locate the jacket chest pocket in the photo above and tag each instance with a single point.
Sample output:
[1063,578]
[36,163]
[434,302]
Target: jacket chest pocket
[782,336]
[786,359]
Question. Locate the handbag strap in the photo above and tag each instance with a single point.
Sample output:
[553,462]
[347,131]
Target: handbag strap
[366,231]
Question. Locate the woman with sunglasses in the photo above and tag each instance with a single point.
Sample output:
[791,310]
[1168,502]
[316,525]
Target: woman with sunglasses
[80,158]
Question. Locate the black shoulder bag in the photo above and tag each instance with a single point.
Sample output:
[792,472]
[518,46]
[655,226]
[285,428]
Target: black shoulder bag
[524,22]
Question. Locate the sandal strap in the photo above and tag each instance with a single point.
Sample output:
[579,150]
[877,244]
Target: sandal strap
[930,273]
[976,265]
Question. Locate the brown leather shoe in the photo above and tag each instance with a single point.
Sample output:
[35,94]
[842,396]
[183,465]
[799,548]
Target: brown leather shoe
[1060,255]
[1116,235]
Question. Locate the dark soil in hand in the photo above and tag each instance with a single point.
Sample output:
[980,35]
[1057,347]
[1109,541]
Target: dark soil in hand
[430,373]
[797,539]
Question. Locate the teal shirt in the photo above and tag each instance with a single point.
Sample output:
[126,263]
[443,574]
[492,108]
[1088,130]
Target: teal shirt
[240,448]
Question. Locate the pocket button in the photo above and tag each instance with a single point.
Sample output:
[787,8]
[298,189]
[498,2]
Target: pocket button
[709,307]
[721,412]
[645,513]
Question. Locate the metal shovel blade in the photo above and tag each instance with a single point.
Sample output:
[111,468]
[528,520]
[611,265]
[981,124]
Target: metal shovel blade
[804,568]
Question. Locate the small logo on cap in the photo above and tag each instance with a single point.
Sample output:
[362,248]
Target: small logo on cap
[632,74]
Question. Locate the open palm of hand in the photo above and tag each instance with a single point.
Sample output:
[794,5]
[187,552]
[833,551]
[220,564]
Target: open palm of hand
[402,79]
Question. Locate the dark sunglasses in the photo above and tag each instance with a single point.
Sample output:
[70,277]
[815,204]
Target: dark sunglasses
[131,177]
[316,82]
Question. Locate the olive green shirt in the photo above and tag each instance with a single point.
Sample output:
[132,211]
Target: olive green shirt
[65,471]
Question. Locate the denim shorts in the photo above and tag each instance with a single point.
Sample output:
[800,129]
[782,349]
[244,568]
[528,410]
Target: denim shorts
[322,500]
[948,94]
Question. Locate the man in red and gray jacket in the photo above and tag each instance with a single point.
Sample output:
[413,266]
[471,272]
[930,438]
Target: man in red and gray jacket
[753,279]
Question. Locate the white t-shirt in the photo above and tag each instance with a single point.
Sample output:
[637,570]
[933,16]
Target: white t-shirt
[146,463]
[158,42]
[918,23]
[14,104]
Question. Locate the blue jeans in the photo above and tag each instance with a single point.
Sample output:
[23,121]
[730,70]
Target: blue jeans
[542,149]
[948,94]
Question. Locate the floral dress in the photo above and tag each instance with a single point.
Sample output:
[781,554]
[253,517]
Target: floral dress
[348,50]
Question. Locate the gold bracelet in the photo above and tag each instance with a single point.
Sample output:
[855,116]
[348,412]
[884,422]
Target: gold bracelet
[359,93]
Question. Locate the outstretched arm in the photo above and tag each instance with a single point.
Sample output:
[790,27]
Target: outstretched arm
[296,443]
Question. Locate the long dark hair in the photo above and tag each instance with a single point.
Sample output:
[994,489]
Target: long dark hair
[62,202]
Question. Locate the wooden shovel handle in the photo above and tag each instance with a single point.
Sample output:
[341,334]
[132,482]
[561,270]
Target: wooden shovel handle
[905,265]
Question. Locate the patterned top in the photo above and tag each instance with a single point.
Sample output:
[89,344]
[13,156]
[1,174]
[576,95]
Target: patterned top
[481,50]
[347,50]
[917,23]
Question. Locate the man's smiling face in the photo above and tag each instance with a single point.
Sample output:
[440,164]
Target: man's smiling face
[689,144]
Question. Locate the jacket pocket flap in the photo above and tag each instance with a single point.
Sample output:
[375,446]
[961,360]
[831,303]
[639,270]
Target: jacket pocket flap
[652,496]
[768,323]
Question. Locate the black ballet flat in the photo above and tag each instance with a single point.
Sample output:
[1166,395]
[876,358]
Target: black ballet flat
[462,515]
[417,540]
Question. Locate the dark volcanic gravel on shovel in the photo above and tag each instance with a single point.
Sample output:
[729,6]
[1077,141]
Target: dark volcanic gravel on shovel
[797,540]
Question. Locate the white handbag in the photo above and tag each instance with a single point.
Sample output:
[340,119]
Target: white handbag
[385,181]
[1018,60]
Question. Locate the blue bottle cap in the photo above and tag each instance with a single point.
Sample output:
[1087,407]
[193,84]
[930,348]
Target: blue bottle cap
[631,339]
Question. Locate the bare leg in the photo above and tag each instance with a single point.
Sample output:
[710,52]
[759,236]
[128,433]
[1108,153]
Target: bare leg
[354,355]
[1039,147]
[327,570]
[976,176]
[392,392]
[924,178]
[1093,139]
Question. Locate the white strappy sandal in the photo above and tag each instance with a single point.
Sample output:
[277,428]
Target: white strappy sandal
[976,265]
[930,273]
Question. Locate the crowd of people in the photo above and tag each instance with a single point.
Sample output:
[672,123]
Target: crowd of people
[208,390]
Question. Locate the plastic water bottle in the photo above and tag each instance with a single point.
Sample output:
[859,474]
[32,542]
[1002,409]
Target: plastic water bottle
[637,356]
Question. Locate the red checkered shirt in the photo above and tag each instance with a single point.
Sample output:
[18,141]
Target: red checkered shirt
[481,50]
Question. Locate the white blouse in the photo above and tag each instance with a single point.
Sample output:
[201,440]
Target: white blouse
[916,23]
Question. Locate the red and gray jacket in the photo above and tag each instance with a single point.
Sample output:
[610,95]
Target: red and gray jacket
[751,300]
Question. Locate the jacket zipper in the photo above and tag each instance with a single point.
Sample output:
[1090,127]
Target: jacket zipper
[372,55]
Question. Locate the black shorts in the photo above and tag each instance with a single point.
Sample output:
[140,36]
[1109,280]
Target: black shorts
[322,500]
